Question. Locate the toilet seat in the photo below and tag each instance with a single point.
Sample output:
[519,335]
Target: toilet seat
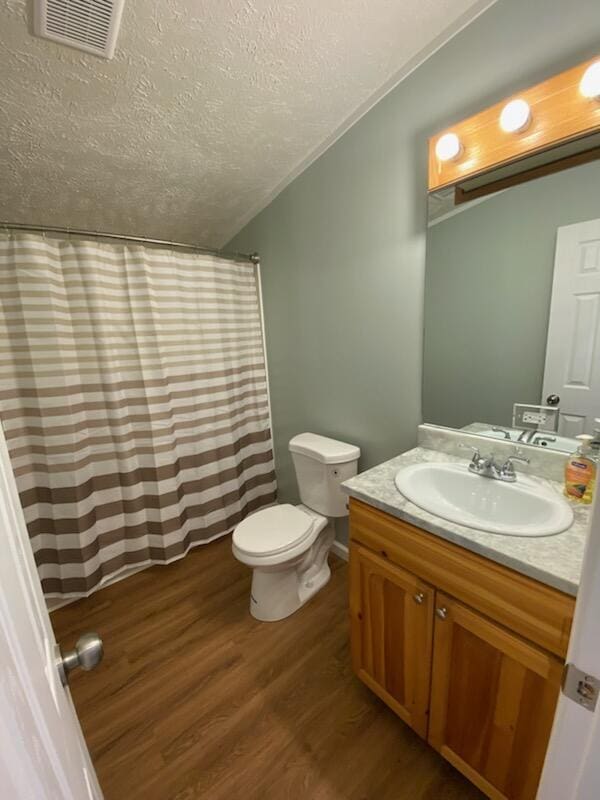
[287,548]
[273,530]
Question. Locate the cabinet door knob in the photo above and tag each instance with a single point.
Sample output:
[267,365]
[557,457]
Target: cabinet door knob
[442,612]
[418,597]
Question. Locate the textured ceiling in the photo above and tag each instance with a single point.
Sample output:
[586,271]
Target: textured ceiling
[204,112]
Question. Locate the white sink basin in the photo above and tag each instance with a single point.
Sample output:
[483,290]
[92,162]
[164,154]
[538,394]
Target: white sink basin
[523,508]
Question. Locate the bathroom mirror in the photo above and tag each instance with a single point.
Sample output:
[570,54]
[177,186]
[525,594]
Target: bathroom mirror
[512,302]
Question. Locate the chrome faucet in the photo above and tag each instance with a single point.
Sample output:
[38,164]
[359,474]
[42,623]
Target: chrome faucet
[488,467]
[482,465]
[505,433]
[528,435]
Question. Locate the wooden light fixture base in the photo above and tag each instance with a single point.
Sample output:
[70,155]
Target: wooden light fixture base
[559,114]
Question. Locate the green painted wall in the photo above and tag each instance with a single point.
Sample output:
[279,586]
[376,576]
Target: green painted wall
[488,284]
[343,246]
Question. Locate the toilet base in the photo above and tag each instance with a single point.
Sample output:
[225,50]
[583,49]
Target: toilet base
[280,590]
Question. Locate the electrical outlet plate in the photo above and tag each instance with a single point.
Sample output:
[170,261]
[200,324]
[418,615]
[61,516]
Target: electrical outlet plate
[534,418]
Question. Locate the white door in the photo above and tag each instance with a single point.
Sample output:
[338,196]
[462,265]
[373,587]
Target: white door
[43,755]
[573,349]
[572,768]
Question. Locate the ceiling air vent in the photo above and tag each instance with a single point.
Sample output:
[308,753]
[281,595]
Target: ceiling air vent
[90,25]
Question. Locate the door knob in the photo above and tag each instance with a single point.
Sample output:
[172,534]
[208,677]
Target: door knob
[552,400]
[418,598]
[87,654]
[442,612]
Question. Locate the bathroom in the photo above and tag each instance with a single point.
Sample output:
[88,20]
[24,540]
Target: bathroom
[336,314]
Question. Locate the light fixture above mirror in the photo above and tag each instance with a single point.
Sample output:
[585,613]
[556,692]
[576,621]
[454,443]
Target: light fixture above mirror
[515,116]
[448,147]
[590,83]
[548,115]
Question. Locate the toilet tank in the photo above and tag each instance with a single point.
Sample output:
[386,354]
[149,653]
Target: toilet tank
[321,465]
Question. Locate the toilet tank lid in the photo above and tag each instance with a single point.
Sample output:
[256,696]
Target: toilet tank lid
[328,451]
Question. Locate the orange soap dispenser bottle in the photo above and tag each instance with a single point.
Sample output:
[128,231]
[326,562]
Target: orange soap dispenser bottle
[580,472]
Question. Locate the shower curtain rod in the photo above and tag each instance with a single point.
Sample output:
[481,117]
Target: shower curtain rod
[16,226]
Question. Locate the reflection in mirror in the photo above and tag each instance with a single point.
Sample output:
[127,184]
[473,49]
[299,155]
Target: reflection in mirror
[512,310]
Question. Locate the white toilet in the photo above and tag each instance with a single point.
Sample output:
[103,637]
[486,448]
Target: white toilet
[287,546]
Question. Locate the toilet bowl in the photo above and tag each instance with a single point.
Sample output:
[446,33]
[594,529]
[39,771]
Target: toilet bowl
[287,546]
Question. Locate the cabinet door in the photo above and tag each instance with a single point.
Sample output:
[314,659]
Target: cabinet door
[391,631]
[493,697]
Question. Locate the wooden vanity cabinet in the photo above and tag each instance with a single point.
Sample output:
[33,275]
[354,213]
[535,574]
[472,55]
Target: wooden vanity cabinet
[431,635]
[392,634]
[493,697]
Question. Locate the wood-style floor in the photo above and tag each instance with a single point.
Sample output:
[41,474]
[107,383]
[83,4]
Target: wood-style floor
[196,699]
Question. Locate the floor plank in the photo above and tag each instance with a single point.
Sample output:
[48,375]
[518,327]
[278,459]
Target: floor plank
[196,699]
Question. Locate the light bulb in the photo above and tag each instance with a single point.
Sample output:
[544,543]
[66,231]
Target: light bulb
[590,83]
[448,147]
[515,116]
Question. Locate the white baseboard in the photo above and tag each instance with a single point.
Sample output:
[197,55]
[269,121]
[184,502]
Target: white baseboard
[340,550]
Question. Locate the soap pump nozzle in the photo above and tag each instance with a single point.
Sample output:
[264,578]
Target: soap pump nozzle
[585,440]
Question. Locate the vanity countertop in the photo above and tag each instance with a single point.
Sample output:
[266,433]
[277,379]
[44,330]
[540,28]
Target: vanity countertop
[553,560]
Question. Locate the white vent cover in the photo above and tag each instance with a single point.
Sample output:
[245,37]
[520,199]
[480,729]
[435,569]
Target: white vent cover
[90,25]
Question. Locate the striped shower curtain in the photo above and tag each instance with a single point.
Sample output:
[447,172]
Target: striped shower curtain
[134,402]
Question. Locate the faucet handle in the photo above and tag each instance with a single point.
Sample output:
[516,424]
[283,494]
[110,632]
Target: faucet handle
[507,470]
[518,456]
[476,458]
[478,462]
